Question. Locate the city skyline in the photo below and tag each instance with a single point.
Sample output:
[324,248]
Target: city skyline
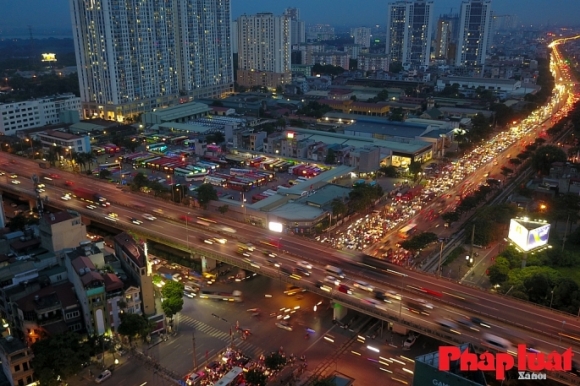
[55,16]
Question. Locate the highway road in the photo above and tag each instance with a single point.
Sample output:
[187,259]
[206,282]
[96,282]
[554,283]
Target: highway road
[408,283]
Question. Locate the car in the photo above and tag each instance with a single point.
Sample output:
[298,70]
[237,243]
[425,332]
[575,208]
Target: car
[270,254]
[363,285]
[158,211]
[2,173]
[244,252]
[41,186]
[189,294]
[332,280]
[477,321]
[301,271]
[393,295]
[467,324]
[410,341]
[66,197]
[448,325]
[103,376]
[344,289]
[15,182]
[374,302]
[134,221]
[213,365]
[220,240]
[250,247]
[91,207]
[304,264]
[112,214]
[284,325]
[149,217]
[293,290]
[192,378]
[273,263]
[113,219]
[13,176]
[40,190]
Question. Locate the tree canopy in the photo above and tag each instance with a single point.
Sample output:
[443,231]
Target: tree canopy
[59,355]
[205,194]
[133,325]
[545,156]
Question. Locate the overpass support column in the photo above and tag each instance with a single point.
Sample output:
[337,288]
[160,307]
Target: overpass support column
[207,264]
[31,204]
[338,311]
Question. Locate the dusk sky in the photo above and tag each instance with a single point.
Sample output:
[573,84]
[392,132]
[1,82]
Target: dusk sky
[43,15]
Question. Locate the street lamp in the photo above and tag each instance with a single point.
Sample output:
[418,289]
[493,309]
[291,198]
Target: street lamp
[170,178]
[31,148]
[186,230]
[552,299]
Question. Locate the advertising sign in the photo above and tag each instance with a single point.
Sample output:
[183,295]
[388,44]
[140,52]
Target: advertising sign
[502,362]
[528,235]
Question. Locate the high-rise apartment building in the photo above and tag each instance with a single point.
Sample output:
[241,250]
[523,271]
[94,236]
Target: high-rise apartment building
[475,22]
[264,50]
[446,35]
[409,26]
[362,36]
[297,26]
[135,56]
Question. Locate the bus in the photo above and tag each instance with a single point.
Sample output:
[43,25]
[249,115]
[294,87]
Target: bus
[234,296]
[239,186]
[407,231]
[157,147]
[114,167]
[178,140]
[196,177]
[232,378]
[215,181]
[208,165]
[183,172]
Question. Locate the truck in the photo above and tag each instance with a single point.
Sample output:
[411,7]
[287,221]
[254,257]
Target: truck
[234,296]
[400,329]
[90,196]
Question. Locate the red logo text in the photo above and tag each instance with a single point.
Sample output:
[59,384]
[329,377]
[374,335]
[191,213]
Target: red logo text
[502,362]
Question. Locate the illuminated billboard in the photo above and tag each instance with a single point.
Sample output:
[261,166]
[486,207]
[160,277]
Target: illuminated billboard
[528,235]
[275,226]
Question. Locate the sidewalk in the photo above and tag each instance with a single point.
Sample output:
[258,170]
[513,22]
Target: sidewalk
[89,373]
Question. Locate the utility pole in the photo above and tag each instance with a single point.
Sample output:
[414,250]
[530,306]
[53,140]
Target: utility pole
[440,256]
[469,262]
[194,353]
[565,233]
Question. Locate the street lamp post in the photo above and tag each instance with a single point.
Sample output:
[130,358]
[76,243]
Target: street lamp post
[440,257]
[187,230]
[552,299]
[31,148]
[170,178]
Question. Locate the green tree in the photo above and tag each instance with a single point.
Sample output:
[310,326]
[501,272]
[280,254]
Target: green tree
[52,157]
[339,208]
[545,156]
[224,209]
[172,289]
[172,306]
[330,157]
[515,161]
[157,188]
[256,377]
[451,217]
[205,194]
[139,181]
[537,287]
[59,355]
[397,114]
[275,361]
[395,67]
[498,273]
[133,325]
[18,222]
[389,171]
[415,169]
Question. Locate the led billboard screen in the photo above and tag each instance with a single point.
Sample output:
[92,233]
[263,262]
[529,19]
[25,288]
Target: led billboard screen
[528,235]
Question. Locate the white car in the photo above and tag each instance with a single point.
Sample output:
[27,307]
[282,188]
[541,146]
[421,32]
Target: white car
[134,221]
[284,325]
[103,376]
[220,240]
[15,182]
[304,264]
[392,294]
[13,176]
[149,217]
[91,207]
[410,341]
[113,219]
[363,285]
[40,190]
[65,198]
[332,280]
